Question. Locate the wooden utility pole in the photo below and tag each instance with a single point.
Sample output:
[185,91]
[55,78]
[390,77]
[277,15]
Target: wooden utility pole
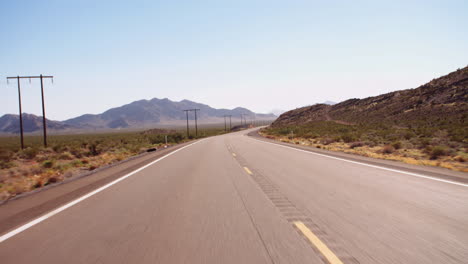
[44,125]
[196,124]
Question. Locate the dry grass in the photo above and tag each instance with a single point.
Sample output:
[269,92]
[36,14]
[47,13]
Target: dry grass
[413,156]
[69,155]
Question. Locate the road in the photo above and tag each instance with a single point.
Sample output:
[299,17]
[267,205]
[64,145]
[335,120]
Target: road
[237,199]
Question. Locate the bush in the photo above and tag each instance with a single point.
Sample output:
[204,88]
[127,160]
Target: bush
[5,155]
[48,164]
[356,145]
[6,164]
[348,138]
[438,151]
[388,149]
[28,153]
[327,141]
[397,145]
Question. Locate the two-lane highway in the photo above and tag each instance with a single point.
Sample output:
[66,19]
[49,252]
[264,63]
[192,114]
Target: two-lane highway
[235,199]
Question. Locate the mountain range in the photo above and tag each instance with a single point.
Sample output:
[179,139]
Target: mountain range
[138,114]
[441,101]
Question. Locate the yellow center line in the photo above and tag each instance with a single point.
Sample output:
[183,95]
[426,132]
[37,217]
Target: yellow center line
[247,170]
[234,154]
[329,255]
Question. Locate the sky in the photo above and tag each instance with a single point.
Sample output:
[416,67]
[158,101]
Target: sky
[262,55]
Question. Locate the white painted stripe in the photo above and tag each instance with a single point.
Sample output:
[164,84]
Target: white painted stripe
[84,197]
[368,165]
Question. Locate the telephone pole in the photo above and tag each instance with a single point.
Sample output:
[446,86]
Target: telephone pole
[225,126]
[44,125]
[196,124]
[243,119]
[186,113]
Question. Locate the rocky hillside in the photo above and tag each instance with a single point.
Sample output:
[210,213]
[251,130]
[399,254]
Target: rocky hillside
[442,100]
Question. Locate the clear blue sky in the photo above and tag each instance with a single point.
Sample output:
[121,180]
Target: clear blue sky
[262,55]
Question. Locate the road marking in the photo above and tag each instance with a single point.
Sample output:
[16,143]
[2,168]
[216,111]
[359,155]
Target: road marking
[326,252]
[84,197]
[368,165]
[234,154]
[247,170]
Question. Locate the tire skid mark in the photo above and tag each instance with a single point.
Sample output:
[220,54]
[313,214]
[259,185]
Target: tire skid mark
[292,213]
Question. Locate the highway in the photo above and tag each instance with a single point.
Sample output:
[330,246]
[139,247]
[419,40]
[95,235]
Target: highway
[238,199]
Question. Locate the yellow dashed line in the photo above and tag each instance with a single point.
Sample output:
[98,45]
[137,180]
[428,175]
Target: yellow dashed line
[329,255]
[247,170]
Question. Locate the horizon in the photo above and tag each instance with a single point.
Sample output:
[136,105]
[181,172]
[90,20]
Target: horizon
[260,55]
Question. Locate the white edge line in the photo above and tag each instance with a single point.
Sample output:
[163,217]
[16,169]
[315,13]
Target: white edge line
[368,165]
[84,197]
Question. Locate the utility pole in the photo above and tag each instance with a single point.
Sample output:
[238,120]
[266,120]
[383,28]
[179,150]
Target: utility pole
[225,123]
[243,119]
[44,125]
[196,124]
[186,113]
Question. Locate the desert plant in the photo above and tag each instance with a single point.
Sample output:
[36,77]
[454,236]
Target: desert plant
[28,153]
[48,164]
[388,149]
[438,151]
[397,145]
[356,145]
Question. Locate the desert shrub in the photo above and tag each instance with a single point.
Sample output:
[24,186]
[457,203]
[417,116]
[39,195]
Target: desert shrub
[347,138]
[58,147]
[356,145]
[424,142]
[388,149]
[65,156]
[438,151]
[327,141]
[51,180]
[6,155]
[28,153]
[48,164]
[397,145]
[408,135]
[460,159]
[6,164]
[93,149]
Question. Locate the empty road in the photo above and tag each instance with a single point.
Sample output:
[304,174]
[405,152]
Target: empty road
[238,199]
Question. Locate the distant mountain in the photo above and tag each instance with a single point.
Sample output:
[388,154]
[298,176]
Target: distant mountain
[441,101]
[138,114]
[31,123]
[156,111]
[329,103]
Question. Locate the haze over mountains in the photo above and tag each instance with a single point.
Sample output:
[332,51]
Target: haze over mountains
[441,101]
[138,114]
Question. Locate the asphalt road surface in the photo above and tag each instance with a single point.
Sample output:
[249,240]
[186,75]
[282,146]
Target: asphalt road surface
[237,199]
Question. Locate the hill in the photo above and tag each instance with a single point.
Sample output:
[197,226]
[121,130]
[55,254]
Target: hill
[138,114]
[31,123]
[425,125]
[443,100]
